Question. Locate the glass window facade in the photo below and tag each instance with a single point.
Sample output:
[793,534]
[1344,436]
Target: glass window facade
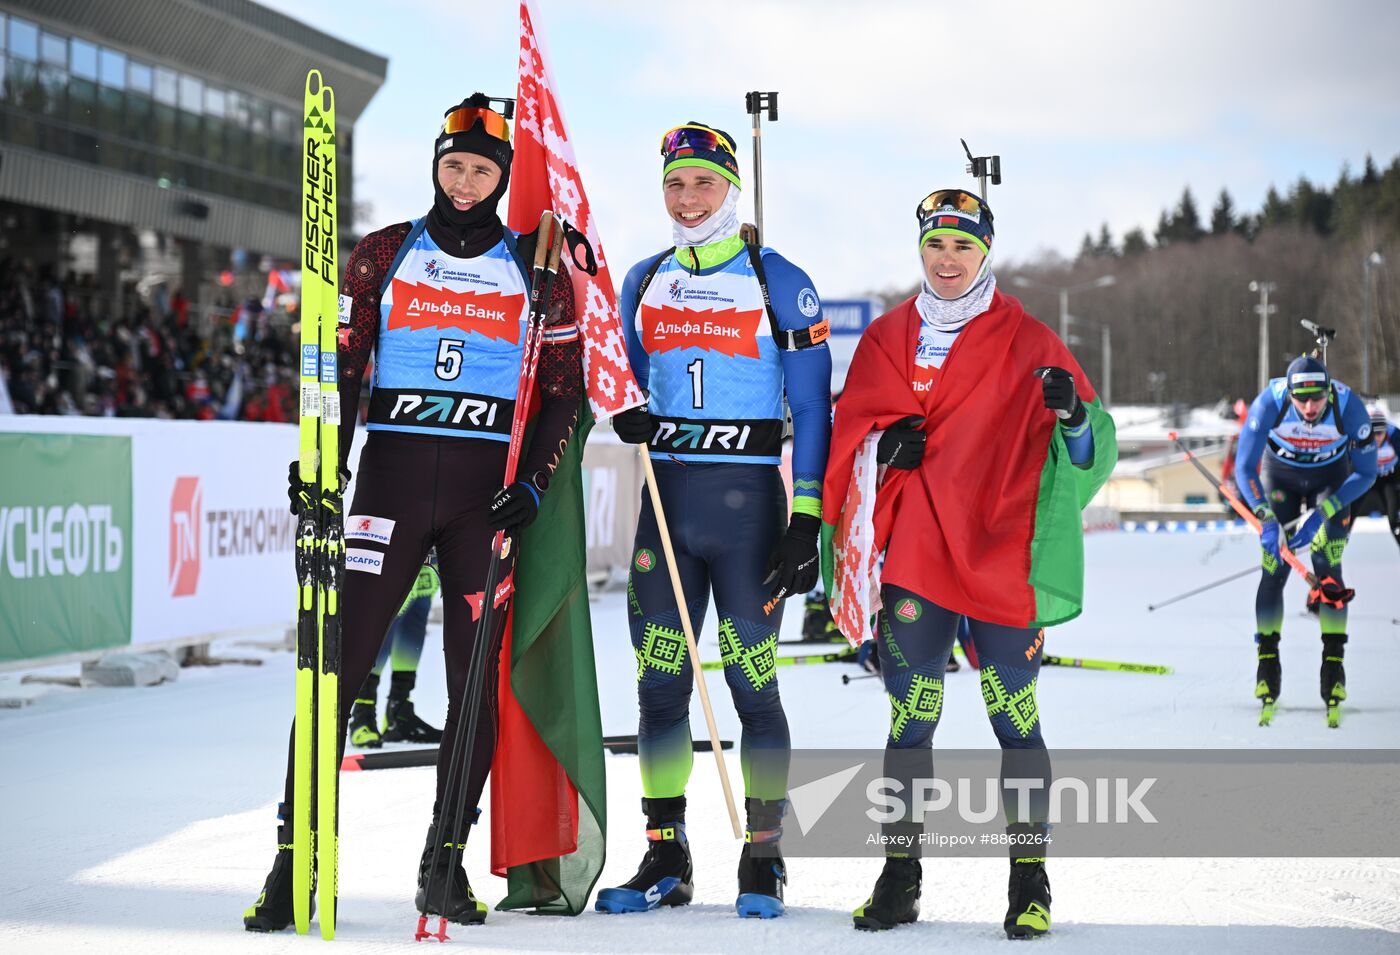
[88,102]
[23,39]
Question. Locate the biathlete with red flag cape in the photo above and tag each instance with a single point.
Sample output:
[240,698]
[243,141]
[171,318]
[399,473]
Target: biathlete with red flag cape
[966,442]
[720,331]
[442,303]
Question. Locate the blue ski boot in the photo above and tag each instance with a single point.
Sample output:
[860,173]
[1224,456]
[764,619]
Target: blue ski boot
[666,876]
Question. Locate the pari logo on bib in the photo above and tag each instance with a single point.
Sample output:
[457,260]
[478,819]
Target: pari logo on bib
[492,314]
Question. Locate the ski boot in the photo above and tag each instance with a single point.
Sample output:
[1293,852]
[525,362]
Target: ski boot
[895,900]
[272,912]
[762,873]
[1028,895]
[666,876]
[1334,676]
[402,725]
[817,625]
[443,889]
[1269,677]
[364,725]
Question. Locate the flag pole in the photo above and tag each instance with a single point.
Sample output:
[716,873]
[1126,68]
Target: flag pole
[689,629]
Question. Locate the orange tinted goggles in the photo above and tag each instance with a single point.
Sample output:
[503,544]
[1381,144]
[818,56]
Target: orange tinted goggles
[463,118]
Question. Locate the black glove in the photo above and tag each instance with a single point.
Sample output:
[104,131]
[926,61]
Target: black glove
[635,425]
[902,444]
[297,490]
[514,506]
[793,566]
[1060,396]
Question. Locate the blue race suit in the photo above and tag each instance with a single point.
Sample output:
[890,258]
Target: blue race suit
[1284,462]
[700,339]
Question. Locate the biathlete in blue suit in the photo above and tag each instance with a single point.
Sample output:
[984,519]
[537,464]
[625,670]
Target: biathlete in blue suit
[1307,440]
[719,332]
[1384,495]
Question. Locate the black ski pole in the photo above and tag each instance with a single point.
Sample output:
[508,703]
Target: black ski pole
[546,267]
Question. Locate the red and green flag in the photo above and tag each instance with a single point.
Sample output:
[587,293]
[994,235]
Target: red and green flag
[548,791]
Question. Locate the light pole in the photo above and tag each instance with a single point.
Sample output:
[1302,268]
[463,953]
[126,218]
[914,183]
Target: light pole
[1373,261]
[1103,281]
[1106,336]
[1265,310]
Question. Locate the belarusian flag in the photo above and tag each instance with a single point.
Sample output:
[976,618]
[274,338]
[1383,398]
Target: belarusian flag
[548,793]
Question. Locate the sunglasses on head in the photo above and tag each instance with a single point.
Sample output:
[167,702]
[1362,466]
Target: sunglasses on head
[463,118]
[694,137]
[955,200]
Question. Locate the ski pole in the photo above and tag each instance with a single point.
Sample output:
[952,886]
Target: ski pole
[1054,661]
[846,678]
[797,659]
[546,267]
[1224,580]
[689,630]
[1289,558]
[756,104]
[1200,590]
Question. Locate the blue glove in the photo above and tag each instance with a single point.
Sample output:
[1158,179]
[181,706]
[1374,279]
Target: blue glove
[1313,525]
[1268,534]
[1267,531]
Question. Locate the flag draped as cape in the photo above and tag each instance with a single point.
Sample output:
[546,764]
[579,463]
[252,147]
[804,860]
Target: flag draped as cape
[989,523]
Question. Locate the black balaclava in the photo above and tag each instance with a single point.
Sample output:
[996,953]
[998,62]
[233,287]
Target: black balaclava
[470,233]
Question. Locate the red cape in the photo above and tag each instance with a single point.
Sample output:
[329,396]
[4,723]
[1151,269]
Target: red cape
[966,516]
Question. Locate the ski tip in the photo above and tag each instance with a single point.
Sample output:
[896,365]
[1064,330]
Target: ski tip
[313,82]
[351,764]
[1171,435]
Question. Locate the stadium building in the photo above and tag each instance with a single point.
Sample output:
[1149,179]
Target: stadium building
[145,136]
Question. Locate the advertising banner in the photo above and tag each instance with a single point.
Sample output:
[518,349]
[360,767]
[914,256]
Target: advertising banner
[65,543]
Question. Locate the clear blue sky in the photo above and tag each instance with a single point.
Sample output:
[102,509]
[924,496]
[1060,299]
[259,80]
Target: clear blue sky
[1102,112]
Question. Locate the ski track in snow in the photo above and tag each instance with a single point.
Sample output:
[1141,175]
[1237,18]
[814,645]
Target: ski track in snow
[140,821]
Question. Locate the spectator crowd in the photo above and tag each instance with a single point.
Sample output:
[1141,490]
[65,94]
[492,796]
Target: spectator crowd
[67,349]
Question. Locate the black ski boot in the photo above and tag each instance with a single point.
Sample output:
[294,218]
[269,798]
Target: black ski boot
[1028,914]
[1269,677]
[762,873]
[272,912]
[817,625]
[1333,676]
[364,725]
[402,725]
[895,900]
[443,889]
[666,876]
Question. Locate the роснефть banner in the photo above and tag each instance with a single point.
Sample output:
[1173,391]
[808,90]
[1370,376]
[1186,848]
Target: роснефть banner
[65,543]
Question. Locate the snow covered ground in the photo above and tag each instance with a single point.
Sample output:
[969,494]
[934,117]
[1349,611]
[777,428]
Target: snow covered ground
[143,820]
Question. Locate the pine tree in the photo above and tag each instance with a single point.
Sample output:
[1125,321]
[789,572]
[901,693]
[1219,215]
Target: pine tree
[1369,176]
[1222,217]
[1187,221]
[1311,207]
[1164,233]
[1104,248]
[1086,248]
[1134,242]
[1275,211]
